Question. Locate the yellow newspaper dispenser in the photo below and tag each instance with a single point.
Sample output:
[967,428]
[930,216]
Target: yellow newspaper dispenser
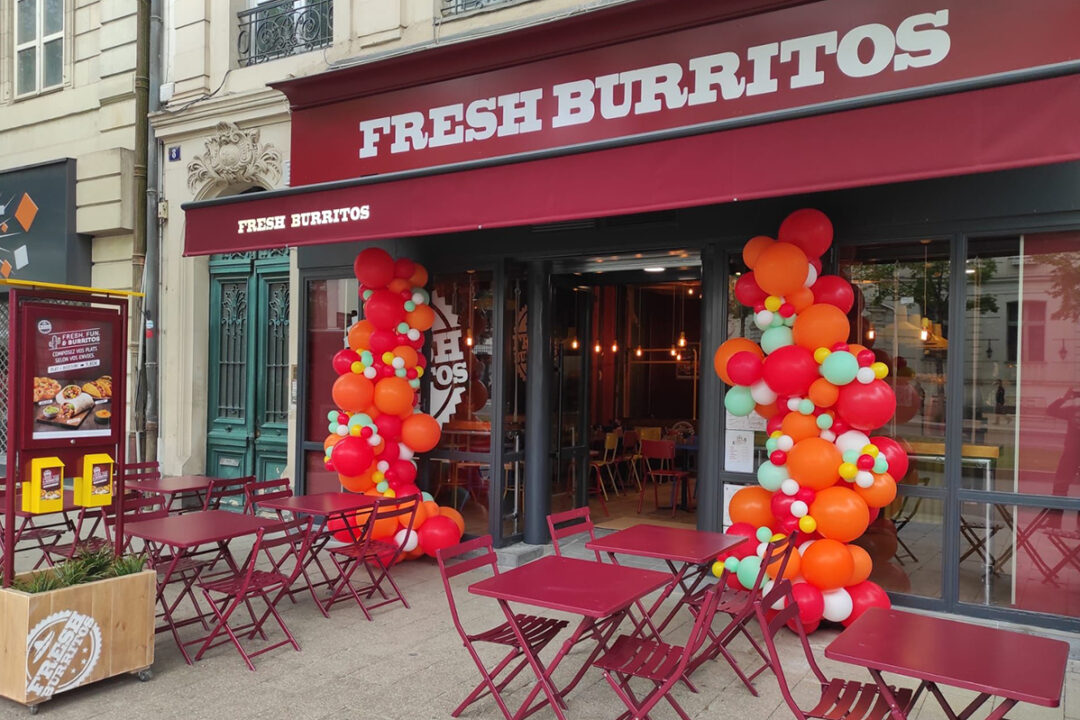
[43,486]
[94,488]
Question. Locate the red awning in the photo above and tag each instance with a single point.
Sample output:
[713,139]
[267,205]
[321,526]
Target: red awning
[1019,125]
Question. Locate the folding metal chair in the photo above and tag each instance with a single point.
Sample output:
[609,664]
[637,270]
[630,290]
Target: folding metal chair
[227,493]
[632,656]
[604,465]
[1067,542]
[136,472]
[659,459]
[226,594]
[255,492]
[738,606]
[538,631]
[840,699]
[87,540]
[376,556]
[631,456]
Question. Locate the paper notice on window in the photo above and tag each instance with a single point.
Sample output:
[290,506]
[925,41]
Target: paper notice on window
[739,451]
[753,421]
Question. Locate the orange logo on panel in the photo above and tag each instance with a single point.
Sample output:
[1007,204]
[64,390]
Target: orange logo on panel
[26,212]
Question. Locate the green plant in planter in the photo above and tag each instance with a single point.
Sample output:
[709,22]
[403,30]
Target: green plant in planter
[127,565]
[95,562]
[87,566]
[38,582]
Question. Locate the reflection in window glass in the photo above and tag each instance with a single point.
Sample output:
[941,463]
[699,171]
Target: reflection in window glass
[332,309]
[905,544]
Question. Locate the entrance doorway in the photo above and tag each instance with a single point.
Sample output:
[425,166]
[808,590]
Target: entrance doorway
[627,364]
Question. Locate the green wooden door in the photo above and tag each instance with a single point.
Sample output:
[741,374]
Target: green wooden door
[248,383]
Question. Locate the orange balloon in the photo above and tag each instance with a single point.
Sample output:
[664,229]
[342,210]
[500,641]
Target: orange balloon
[412,554]
[353,393]
[447,511]
[881,493]
[432,508]
[823,393]
[360,335]
[801,299]
[767,411]
[863,565]
[841,514]
[357,484]
[855,348]
[420,432]
[421,516]
[422,318]
[398,284]
[793,568]
[419,278]
[799,426]
[820,325]
[729,348]
[814,463]
[751,505]
[827,564]
[781,269]
[753,247]
[408,354]
[332,440]
[393,395]
[384,527]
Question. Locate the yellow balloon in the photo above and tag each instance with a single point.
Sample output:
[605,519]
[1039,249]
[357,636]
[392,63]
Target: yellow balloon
[820,354]
[773,303]
[807,524]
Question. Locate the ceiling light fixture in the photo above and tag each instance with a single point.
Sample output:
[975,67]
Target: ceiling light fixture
[654,269]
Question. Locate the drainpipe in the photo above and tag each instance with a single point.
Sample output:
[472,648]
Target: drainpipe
[151,280]
[138,250]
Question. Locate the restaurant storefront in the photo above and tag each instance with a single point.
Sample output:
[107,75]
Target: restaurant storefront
[537,184]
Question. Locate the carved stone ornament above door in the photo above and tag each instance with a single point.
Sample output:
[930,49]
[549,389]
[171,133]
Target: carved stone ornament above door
[233,158]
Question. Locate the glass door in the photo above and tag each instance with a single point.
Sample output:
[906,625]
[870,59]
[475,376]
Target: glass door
[571,315]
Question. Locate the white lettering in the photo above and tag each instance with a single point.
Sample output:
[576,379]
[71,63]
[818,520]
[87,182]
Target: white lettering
[481,119]
[718,70]
[761,57]
[408,132]
[933,44]
[575,105]
[608,109]
[443,131]
[520,112]
[656,82]
[805,49]
[370,131]
[882,43]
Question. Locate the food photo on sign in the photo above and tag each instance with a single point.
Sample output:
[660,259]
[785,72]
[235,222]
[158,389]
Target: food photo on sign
[72,377]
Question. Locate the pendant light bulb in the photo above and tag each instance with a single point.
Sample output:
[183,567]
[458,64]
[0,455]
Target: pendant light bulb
[678,357]
[924,334]
[614,347]
[682,339]
[673,352]
[574,344]
[597,348]
[638,351]
[468,338]
[870,334]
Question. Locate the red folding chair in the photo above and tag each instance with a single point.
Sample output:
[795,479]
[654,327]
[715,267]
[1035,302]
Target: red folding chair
[538,631]
[659,459]
[256,492]
[632,656]
[376,556]
[840,699]
[137,472]
[226,594]
[227,493]
[738,606]
[87,540]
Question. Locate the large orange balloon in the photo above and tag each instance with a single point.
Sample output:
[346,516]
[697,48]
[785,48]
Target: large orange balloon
[820,325]
[751,505]
[357,484]
[420,432]
[752,249]
[447,511]
[421,516]
[881,493]
[360,335]
[827,564]
[422,318]
[781,269]
[863,565]
[793,568]
[840,514]
[393,395]
[823,393]
[407,354]
[799,426]
[801,299]
[729,348]
[398,285]
[814,463]
[353,393]
[383,528]
[419,278]
[767,411]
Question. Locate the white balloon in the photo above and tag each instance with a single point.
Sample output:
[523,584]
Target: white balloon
[398,363]
[763,319]
[865,375]
[864,479]
[789,486]
[342,430]
[374,440]
[793,403]
[799,508]
[828,435]
[811,276]
[838,605]
[407,540]
[405,452]
[762,393]
[382,466]
[785,443]
[370,373]
[852,440]
[808,543]
[761,548]
[766,588]
[413,334]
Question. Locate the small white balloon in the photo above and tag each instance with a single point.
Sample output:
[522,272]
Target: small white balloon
[808,543]
[762,393]
[398,362]
[405,452]
[374,440]
[785,443]
[828,435]
[382,466]
[865,375]
[799,508]
[811,277]
[763,319]
[761,548]
[838,605]
[864,479]
[418,298]
[789,486]
[413,334]
[793,403]
[370,373]
[407,540]
[342,430]
[852,440]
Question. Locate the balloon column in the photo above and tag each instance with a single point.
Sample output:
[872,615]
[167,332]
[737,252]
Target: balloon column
[378,429]
[826,475]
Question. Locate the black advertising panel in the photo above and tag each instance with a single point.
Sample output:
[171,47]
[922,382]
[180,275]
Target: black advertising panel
[37,226]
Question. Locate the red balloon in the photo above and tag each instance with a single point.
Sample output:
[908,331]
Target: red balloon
[385,310]
[810,601]
[744,368]
[864,596]
[389,426]
[781,505]
[894,453]
[403,470]
[808,229]
[773,424]
[747,291]
[743,549]
[437,533]
[374,267]
[404,268]
[382,341]
[865,407]
[834,290]
[790,370]
[351,456]
[343,360]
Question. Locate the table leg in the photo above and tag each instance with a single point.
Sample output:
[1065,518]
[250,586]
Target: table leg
[543,676]
[678,579]
[974,705]
[895,711]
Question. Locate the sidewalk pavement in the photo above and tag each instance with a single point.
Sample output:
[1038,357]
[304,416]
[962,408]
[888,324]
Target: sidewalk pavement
[409,664]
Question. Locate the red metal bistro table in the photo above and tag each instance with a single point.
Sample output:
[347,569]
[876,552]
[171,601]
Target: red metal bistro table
[689,555]
[600,593]
[994,663]
[180,535]
[173,487]
[324,506]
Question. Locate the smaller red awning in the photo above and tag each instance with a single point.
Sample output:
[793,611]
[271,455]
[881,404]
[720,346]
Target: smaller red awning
[1026,124]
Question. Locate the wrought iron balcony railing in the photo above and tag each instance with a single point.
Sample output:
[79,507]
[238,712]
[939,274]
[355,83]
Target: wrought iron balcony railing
[280,28]
[457,7]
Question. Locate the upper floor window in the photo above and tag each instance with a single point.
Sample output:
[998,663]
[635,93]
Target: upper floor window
[275,29]
[39,45]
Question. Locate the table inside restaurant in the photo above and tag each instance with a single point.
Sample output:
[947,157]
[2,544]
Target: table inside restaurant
[326,506]
[688,553]
[599,593]
[181,535]
[194,486]
[1012,666]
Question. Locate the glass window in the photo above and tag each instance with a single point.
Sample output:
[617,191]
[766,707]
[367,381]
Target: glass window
[332,309]
[39,45]
[905,545]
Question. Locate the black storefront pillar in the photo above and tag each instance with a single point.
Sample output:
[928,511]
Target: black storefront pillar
[710,402]
[538,393]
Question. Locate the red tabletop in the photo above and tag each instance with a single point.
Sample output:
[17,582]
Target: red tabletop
[197,528]
[581,587]
[329,503]
[983,659]
[656,541]
[171,485]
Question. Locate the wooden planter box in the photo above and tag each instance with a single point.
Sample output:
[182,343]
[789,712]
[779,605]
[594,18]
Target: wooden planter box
[55,641]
